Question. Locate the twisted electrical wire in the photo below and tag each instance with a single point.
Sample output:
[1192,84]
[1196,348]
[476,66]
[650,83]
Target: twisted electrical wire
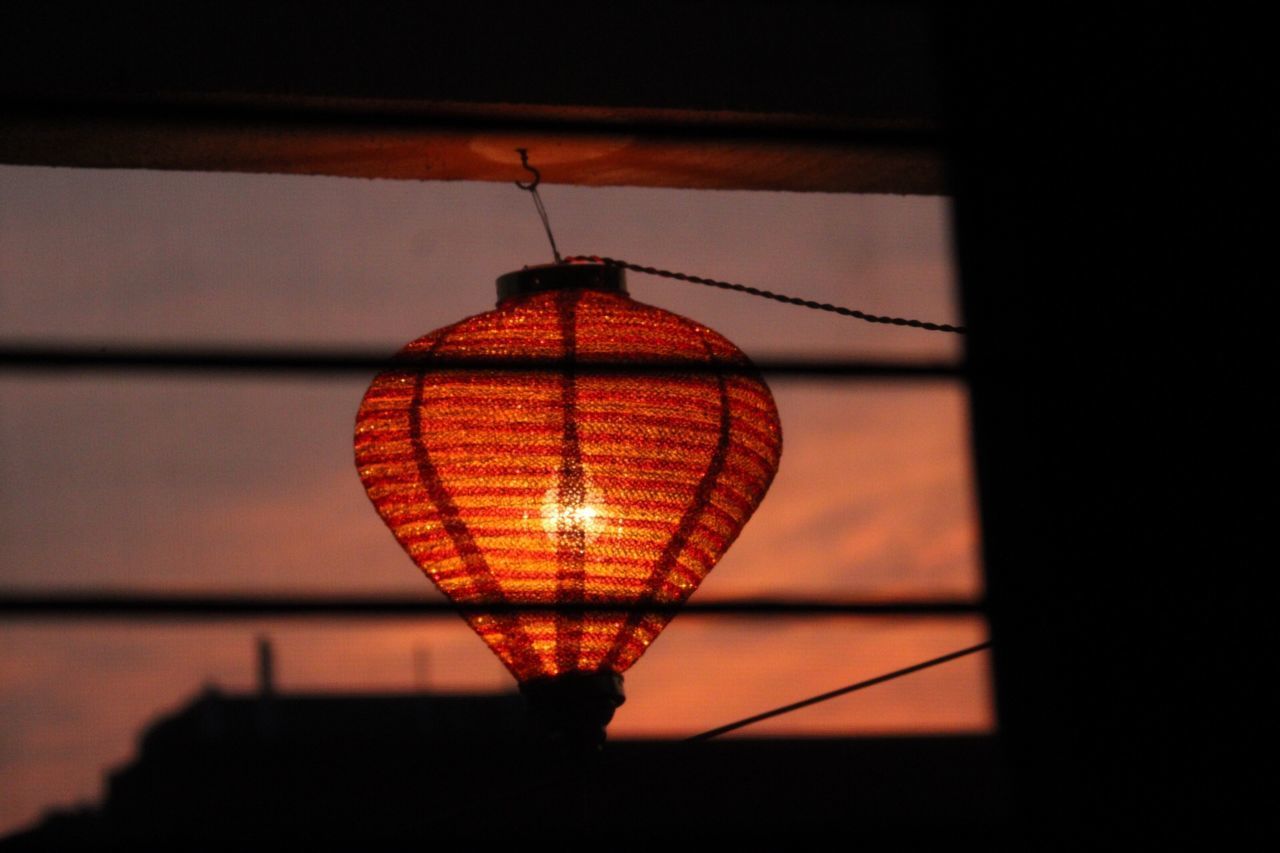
[768,294]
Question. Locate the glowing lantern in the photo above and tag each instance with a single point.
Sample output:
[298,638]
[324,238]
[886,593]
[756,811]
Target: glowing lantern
[575,485]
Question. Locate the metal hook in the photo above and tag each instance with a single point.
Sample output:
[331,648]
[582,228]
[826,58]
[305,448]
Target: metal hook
[537,176]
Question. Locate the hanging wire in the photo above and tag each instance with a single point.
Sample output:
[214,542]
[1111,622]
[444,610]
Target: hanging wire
[767,294]
[532,189]
[813,700]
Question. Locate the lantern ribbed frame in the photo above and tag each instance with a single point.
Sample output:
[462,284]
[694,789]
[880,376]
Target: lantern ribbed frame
[568,486]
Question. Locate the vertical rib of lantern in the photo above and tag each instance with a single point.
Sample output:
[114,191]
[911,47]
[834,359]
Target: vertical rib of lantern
[503,433]
[501,631]
[640,628]
[571,498]
[646,442]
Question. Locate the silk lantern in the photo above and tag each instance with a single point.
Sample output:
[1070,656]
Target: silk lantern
[609,456]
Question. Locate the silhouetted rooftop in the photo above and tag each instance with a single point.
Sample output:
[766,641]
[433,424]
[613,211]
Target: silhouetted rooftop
[426,766]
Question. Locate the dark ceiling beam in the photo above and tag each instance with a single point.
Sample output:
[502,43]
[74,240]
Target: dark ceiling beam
[815,97]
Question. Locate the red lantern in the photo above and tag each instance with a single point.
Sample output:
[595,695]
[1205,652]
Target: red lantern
[584,484]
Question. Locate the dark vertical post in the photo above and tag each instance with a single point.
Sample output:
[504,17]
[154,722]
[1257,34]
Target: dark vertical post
[1106,168]
[266,668]
[265,716]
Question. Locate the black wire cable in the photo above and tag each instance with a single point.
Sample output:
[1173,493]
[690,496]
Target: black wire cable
[70,356]
[814,700]
[248,604]
[768,294]
[532,189]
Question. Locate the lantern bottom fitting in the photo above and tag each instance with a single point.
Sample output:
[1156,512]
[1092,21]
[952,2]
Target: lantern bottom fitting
[575,708]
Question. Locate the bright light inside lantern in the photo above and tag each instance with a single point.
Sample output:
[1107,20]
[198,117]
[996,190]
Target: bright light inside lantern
[572,513]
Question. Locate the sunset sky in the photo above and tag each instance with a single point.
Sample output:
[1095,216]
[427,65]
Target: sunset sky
[228,483]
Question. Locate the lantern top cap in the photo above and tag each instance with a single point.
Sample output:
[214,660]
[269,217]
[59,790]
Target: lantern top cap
[562,276]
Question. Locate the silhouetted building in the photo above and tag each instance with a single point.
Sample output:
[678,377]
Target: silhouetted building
[421,767]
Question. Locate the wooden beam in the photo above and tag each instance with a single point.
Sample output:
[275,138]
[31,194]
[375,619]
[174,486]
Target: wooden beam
[821,97]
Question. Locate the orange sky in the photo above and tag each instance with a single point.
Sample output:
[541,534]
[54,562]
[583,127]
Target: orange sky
[229,483]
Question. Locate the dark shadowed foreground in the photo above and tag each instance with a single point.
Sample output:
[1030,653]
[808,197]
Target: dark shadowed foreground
[424,767]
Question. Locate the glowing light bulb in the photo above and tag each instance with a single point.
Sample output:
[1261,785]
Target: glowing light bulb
[573,515]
